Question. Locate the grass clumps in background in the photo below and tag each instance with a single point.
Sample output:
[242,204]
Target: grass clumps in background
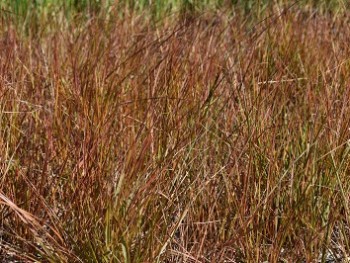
[131,132]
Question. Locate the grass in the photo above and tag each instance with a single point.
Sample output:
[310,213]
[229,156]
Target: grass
[213,134]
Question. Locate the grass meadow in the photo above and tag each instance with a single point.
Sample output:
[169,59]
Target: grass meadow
[174,131]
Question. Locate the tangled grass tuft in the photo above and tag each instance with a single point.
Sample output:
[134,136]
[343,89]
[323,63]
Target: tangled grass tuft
[198,138]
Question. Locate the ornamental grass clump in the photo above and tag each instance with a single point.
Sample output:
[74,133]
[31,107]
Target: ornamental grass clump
[206,135]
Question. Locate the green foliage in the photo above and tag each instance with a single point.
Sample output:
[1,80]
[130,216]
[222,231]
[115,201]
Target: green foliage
[162,7]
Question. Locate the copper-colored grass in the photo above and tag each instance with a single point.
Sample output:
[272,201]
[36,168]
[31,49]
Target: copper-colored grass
[195,139]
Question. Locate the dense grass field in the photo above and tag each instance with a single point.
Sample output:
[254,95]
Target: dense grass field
[174,131]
